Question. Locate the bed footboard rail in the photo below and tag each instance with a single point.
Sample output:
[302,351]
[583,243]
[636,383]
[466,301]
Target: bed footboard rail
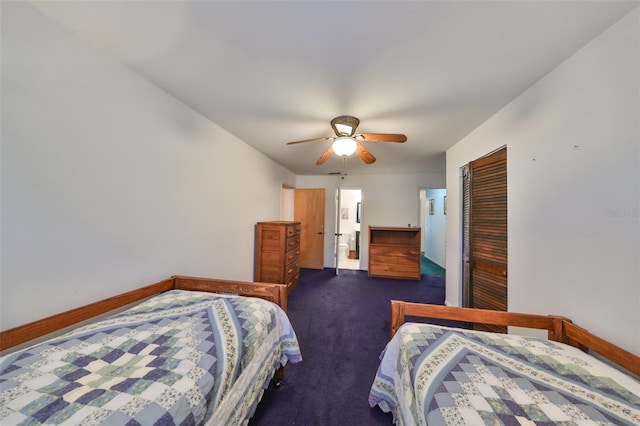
[553,324]
[575,335]
[33,330]
[276,293]
[559,329]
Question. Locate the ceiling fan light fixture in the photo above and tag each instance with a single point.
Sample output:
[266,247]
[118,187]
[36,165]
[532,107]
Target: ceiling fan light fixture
[344,129]
[344,146]
[345,125]
[347,142]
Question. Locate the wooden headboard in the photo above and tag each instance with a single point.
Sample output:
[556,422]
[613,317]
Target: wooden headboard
[558,328]
[276,293]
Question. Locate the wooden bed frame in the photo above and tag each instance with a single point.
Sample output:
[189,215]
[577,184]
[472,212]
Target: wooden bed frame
[559,329]
[276,293]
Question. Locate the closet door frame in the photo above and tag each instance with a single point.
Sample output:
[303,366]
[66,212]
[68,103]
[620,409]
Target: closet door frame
[485,234]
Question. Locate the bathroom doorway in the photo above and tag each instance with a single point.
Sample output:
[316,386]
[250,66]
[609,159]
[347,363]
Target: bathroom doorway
[348,220]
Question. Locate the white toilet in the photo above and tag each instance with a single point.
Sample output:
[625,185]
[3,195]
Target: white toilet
[343,250]
[343,247]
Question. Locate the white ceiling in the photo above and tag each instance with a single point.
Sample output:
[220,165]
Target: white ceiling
[273,72]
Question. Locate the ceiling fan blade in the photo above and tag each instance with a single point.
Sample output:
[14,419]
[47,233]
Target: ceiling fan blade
[310,140]
[383,137]
[328,153]
[365,155]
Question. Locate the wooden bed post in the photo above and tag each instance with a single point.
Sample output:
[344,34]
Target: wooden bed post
[556,333]
[283,298]
[397,316]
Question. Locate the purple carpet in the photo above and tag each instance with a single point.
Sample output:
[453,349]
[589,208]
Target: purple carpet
[342,324]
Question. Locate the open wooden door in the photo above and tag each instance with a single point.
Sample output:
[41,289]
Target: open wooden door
[487,209]
[308,209]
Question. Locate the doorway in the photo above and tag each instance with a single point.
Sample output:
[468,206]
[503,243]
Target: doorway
[433,221]
[348,220]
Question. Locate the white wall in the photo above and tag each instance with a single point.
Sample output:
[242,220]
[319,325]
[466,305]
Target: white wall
[287,200]
[573,172]
[387,200]
[108,183]
[434,226]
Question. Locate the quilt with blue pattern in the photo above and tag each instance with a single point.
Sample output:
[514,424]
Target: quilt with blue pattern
[175,359]
[432,375]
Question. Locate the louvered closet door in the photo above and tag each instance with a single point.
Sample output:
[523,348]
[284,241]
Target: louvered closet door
[488,234]
[466,204]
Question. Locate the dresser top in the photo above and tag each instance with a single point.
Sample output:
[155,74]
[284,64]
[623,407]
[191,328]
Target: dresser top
[391,228]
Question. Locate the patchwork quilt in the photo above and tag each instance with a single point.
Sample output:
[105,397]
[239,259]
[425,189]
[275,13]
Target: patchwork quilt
[179,358]
[432,375]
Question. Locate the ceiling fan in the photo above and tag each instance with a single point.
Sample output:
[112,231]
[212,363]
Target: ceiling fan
[347,141]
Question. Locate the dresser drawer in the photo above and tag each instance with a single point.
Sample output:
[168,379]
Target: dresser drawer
[292,256]
[395,271]
[394,251]
[292,243]
[293,229]
[395,260]
[292,272]
[293,275]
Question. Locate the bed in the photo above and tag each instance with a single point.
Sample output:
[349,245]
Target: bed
[190,351]
[448,375]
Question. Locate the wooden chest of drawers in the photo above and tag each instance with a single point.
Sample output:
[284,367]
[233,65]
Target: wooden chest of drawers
[278,253]
[394,252]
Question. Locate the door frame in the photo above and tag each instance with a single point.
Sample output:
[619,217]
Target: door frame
[337,219]
[492,259]
[423,214]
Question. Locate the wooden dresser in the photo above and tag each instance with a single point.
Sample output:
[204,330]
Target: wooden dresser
[394,252]
[278,253]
